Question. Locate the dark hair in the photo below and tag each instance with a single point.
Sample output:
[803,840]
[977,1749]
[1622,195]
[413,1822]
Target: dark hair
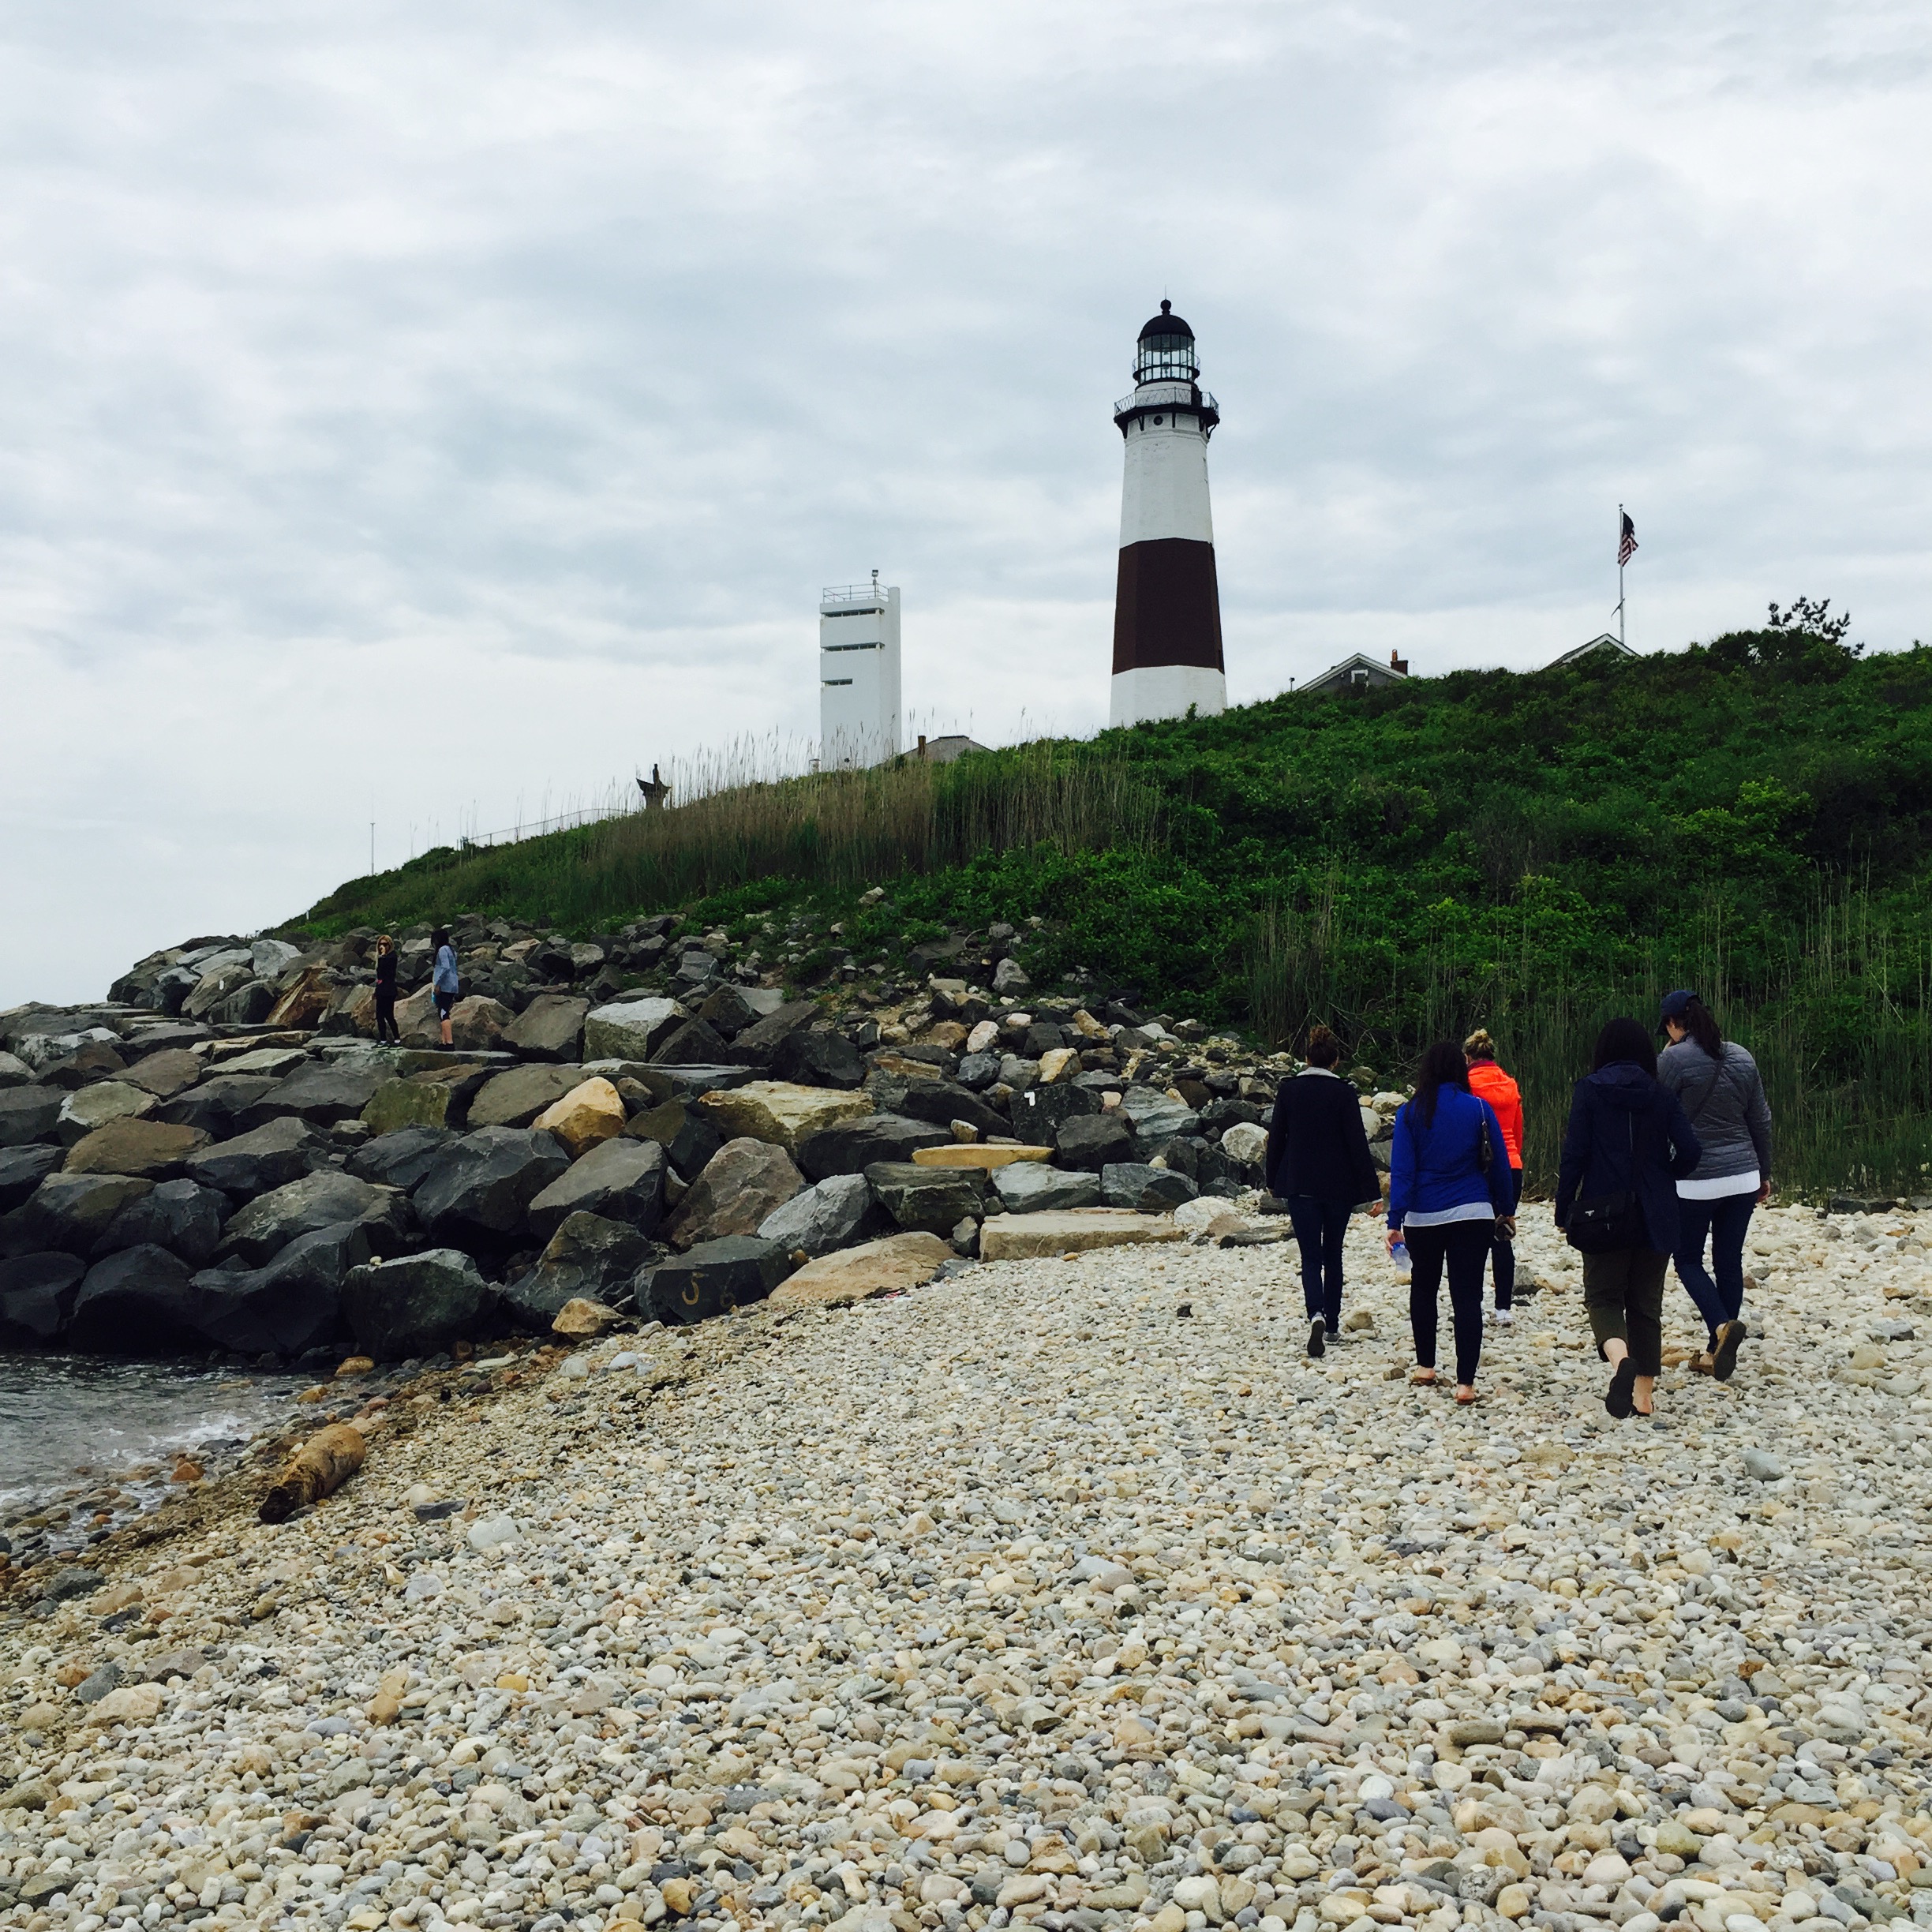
[1625,1038]
[1698,1020]
[1324,1049]
[1442,1065]
[439,937]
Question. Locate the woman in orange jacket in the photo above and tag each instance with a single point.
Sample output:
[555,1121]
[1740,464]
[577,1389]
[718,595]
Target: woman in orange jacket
[1488,1082]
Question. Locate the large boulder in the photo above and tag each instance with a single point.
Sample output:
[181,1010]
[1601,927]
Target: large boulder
[14,1072]
[517,1095]
[1019,1238]
[399,1159]
[621,1180]
[714,1278]
[181,1216]
[217,1104]
[478,1024]
[778,1112]
[132,1145]
[1092,1141]
[320,1092]
[1032,1187]
[170,1071]
[693,1044]
[89,1107]
[756,1043]
[303,1000]
[688,1136]
[139,1301]
[590,1112]
[587,1255]
[727,1013]
[875,1267]
[935,1198]
[292,1304]
[941,1102]
[69,1213]
[22,1170]
[1039,1111]
[268,1223]
[1147,1190]
[270,1157]
[813,1057]
[418,1305]
[630,1029]
[479,1187]
[1156,1119]
[832,1215]
[550,1028]
[745,1180]
[413,1102]
[849,1146]
[37,1295]
[219,982]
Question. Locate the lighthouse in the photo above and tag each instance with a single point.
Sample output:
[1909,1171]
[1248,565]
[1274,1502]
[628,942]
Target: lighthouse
[1166,603]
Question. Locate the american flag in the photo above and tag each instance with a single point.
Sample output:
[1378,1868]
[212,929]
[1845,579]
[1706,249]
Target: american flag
[1627,544]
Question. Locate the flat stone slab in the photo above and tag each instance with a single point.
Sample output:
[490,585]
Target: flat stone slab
[975,1155]
[779,1112]
[1070,1230]
[874,1268]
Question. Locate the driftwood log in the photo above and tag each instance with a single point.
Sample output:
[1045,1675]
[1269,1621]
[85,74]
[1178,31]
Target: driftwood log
[321,1467]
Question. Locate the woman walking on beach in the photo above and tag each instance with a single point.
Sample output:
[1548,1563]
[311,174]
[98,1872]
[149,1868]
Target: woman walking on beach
[1318,1162]
[1626,1142]
[1448,1191]
[386,991]
[1723,1096]
[444,983]
[1488,1082]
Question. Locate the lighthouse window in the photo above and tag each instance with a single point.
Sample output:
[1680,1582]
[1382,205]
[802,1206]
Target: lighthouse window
[1158,420]
[838,680]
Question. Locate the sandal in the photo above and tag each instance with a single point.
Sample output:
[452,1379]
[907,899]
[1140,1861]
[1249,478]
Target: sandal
[1466,1396]
[1617,1398]
[1700,1365]
[1422,1378]
[1724,1357]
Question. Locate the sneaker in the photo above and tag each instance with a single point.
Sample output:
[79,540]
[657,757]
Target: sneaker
[1318,1338]
[1505,1318]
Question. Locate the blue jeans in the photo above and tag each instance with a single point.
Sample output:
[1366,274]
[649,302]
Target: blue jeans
[1320,1225]
[1502,1250]
[1724,1222]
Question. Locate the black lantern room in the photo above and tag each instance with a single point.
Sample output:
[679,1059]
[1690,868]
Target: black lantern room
[1165,353]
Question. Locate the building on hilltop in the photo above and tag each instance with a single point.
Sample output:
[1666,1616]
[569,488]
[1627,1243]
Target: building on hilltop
[1358,673]
[944,751]
[858,675]
[1167,602]
[1614,646]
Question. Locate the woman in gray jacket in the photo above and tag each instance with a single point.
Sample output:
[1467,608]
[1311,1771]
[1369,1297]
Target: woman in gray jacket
[1717,1084]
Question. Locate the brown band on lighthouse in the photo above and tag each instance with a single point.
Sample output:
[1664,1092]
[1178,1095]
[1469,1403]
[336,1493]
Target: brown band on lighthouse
[1167,605]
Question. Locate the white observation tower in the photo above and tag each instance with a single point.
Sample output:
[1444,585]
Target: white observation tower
[858,675]
[1167,602]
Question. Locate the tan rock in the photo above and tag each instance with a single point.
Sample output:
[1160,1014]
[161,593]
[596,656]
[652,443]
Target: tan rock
[1089,1028]
[1070,1230]
[591,1112]
[874,1268]
[1055,1062]
[131,1704]
[306,1000]
[149,1150]
[1513,1901]
[408,1103]
[947,1033]
[580,1316]
[783,1114]
[477,1025]
[982,1156]
[743,1183]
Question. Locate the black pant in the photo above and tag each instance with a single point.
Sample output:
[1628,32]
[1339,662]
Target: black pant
[1725,1221]
[385,1018]
[1623,1297]
[1320,1225]
[1503,1249]
[1465,1246]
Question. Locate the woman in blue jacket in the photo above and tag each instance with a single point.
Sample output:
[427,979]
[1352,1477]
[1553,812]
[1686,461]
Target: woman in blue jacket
[443,981]
[1628,1144]
[1449,1177]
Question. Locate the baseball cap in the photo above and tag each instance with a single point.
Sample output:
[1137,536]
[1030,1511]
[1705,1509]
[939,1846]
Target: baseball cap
[1676,1004]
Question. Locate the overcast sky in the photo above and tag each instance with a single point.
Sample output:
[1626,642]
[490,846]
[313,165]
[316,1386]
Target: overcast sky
[428,413]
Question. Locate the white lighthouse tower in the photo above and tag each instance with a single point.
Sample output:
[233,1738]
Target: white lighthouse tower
[1167,602]
[858,675]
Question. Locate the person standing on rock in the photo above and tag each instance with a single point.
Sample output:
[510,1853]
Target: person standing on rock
[1448,1193]
[1318,1162]
[443,982]
[1723,1097]
[1488,1082]
[1627,1141]
[386,991]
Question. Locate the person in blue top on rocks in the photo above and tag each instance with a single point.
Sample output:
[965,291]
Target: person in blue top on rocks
[444,983]
[1449,1194]
[1626,1145]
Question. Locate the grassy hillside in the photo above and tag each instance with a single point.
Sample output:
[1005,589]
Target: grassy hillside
[1753,817]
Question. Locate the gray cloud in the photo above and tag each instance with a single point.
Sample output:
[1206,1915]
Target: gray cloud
[416,413]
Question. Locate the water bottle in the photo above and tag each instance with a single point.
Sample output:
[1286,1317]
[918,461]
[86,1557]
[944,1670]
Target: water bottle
[1399,1254]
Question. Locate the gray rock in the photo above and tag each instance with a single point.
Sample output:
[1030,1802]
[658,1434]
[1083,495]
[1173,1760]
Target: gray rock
[418,1305]
[319,1093]
[269,1157]
[713,1278]
[139,1301]
[22,1170]
[1008,977]
[694,1043]
[96,1105]
[515,1098]
[68,1213]
[28,1114]
[834,1214]
[399,1159]
[745,1180]
[481,1185]
[851,1146]
[291,1305]
[1764,1465]
[550,1028]
[92,1688]
[815,1058]
[1092,1141]
[14,1072]
[216,1105]
[978,1071]
[629,1029]
[621,1180]
[1156,1119]
[587,1255]
[1032,1187]
[687,1134]
[37,1295]
[756,1044]
[72,1582]
[248,1004]
[268,1223]
[727,1013]
[933,1198]
[271,958]
[940,1102]
[181,1216]
[1147,1190]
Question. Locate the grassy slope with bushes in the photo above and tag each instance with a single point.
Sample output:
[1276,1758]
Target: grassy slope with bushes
[1531,851]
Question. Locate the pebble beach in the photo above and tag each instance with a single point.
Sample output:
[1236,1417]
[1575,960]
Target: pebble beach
[1061,1591]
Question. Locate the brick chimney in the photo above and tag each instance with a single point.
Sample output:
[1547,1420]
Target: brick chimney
[1399,664]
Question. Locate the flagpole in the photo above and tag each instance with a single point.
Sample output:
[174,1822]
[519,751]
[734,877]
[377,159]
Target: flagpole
[1620,638]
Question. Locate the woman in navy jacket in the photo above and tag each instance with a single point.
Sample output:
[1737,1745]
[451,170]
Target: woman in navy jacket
[1449,1192]
[1627,1135]
[1319,1163]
